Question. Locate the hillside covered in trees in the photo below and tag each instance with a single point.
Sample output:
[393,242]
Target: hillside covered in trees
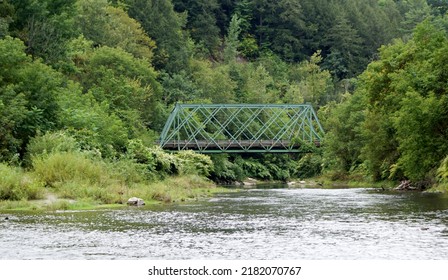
[94,81]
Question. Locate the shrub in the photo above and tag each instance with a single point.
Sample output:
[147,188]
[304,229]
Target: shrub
[309,165]
[16,185]
[63,167]
[163,164]
[195,163]
[224,170]
[50,142]
[256,169]
[129,171]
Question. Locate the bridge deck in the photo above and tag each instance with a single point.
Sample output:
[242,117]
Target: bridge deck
[232,145]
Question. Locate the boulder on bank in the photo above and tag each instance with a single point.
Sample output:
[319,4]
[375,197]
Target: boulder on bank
[135,201]
[250,182]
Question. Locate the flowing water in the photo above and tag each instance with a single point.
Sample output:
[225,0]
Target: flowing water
[250,224]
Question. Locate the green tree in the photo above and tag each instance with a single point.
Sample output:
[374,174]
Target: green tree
[178,87]
[28,93]
[213,82]
[344,57]
[45,26]
[93,124]
[202,21]
[405,123]
[439,6]
[343,137]
[422,131]
[6,13]
[415,11]
[279,26]
[127,84]
[231,42]
[110,26]
[258,86]
[310,83]
[165,27]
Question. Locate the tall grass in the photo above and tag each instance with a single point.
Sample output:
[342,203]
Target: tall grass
[77,176]
[63,167]
[15,184]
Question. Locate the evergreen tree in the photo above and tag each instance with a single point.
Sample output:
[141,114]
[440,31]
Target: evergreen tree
[165,27]
[231,42]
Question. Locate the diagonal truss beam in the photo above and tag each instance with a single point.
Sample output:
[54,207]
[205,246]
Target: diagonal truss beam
[210,128]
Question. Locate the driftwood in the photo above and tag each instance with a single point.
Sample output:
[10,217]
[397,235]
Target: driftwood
[407,185]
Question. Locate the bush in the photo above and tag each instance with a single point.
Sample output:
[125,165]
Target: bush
[50,142]
[254,168]
[162,164]
[309,165]
[195,163]
[129,171]
[224,170]
[16,185]
[62,167]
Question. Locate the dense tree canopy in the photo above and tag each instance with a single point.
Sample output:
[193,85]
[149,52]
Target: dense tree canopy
[106,73]
[398,113]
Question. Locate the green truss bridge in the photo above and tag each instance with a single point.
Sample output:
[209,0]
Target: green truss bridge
[241,128]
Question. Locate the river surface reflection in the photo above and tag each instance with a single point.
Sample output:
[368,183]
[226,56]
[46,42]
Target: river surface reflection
[250,224]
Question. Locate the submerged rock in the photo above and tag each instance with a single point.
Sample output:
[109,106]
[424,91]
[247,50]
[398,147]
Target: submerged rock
[135,201]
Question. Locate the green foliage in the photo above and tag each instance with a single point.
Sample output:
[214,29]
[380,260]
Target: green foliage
[195,163]
[279,25]
[256,169]
[91,123]
[201,21]
[6,13]
[164,26]
[442,170]
[344,44]
[178,87]
[309,165]
[51,142]
[312,84]
[28,92]
[45,26]
[226,171]
[213,83]
[395,124]
[421,133]
[248,47]
[16,185]
[343,139]
[232,41]
[160,164]
[111,26]
[63,167]
[438,6]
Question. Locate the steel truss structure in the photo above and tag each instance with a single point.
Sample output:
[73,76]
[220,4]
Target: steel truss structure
[241,128]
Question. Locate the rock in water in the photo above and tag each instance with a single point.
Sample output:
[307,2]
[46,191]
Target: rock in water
[135,201]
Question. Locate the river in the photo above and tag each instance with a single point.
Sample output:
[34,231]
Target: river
[275,223]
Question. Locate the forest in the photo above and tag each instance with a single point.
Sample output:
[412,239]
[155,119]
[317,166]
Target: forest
[87,85]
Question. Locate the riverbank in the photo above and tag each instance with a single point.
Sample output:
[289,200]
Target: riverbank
[322,181]
[83,197]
